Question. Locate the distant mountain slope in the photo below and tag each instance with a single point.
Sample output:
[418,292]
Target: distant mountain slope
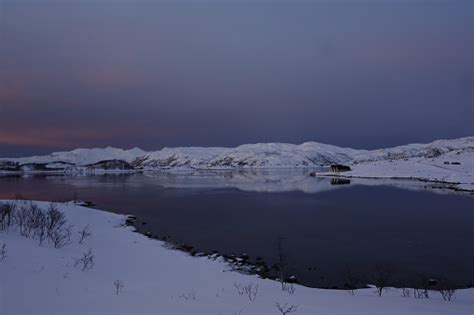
[261,155]
[429,150]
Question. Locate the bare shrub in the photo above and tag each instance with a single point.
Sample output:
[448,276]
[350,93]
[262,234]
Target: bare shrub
[60,237]
[118,284]
[40,228]
[351,280]
[84,234]
[282,263]
[420,293]
[381,278]
[35,222]
[26,217]
[421,289]
[290,288]
[31,221]
[446,289]
[20,217]
[406,293]
[251,291]
[240,288]
[86,262]
[3,252]
[57,230]
[7,211]
[37,219]
[286,309]
[56,219]
[191,296]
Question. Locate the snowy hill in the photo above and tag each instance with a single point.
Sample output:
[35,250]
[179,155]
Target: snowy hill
[260,155]
[430,150]
[442,160]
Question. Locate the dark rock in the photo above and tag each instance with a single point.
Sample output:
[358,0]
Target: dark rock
[185,247]
[244,256]
[432,282]
[292,279]
[337,168]
[110,165]
[340,181]
[9,166]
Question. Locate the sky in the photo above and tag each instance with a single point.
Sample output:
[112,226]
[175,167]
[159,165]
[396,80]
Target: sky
[152,74]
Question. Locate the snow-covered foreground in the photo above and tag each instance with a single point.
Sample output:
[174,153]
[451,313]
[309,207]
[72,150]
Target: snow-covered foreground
[43,280]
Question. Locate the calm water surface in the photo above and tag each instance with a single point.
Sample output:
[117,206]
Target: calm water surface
[325,227]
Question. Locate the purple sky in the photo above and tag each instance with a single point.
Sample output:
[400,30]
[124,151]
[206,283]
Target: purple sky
[356,73]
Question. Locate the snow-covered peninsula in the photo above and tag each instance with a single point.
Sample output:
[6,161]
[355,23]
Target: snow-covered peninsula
[448,161]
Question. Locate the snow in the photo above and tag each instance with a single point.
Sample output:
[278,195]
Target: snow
[264,155]
[260,155]
[84,156]
[420,161]
[455,166]
[43,280]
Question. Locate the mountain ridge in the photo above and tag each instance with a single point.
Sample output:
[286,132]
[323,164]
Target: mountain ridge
[260,155]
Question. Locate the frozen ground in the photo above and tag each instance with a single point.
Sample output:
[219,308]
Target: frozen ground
[43,280]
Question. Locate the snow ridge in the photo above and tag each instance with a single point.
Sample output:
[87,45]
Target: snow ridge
[260,155]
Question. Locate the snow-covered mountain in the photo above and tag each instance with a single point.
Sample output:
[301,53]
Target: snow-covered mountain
[430,150]
[261,155]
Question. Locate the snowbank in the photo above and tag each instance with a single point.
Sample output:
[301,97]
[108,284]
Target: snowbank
[43,280]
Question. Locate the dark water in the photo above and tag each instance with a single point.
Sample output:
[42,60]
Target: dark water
[325,227]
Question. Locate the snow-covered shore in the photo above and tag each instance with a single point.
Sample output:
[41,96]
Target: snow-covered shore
[43,280]
[455,168]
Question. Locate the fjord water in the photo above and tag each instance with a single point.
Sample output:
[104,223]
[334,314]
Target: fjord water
[325,227]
